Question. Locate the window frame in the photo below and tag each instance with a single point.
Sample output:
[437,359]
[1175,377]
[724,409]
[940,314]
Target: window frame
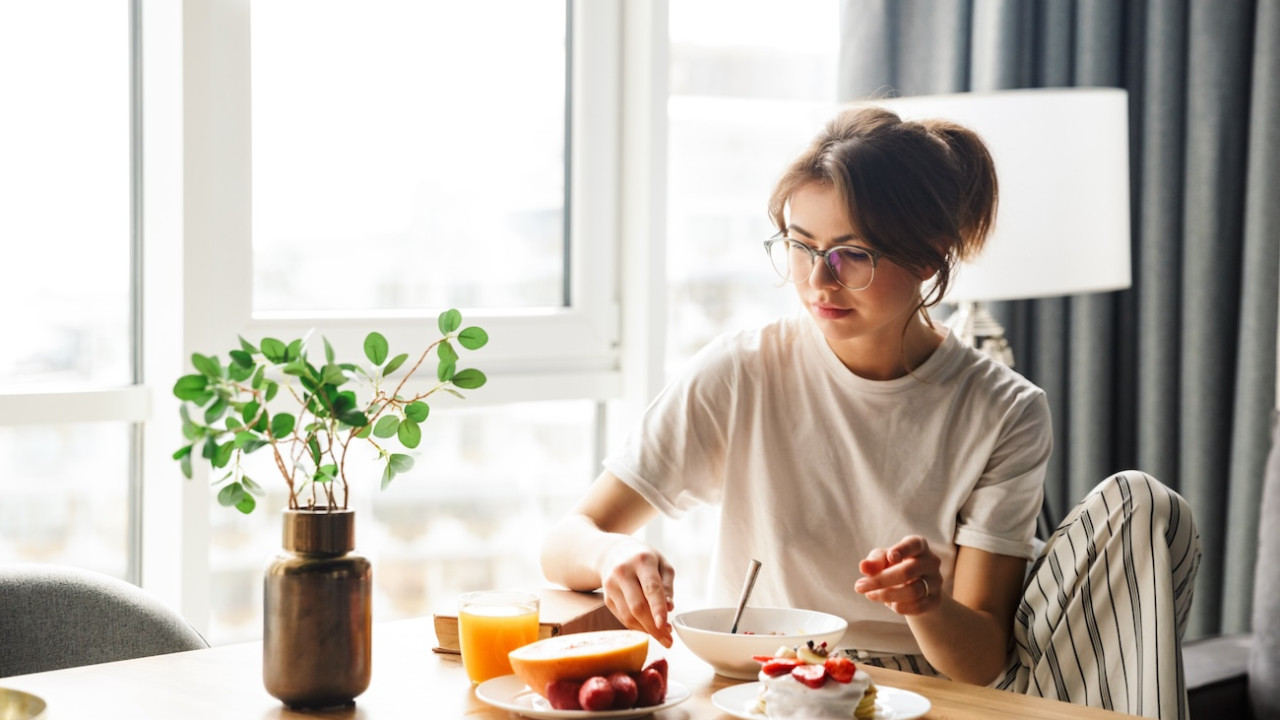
[573,352]
[192,220]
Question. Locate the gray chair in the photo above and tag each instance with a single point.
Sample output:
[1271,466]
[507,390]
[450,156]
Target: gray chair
[54,617]
[1238,676]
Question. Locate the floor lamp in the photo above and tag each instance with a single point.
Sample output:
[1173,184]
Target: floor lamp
[1062,228]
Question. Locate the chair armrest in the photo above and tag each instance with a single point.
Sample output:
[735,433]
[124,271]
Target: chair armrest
[1216,659]
[1217,675]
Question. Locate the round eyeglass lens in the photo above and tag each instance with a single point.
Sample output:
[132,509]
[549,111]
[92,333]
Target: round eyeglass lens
[852,267]
[780,257]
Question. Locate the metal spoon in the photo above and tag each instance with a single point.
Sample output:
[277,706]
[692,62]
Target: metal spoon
[750,582]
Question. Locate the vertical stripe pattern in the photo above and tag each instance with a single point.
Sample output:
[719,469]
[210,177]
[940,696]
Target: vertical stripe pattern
[1106,604]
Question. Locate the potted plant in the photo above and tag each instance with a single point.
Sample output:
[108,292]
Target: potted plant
[308,414]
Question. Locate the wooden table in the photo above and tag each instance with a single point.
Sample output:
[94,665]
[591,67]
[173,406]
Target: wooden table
[410,681]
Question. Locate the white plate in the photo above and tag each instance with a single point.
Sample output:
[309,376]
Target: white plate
[20,705]
[891,703]
[510,693]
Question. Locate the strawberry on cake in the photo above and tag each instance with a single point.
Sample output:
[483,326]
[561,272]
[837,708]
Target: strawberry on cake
[807,682]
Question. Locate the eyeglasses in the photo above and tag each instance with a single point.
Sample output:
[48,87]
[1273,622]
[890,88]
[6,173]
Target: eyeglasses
[852,266]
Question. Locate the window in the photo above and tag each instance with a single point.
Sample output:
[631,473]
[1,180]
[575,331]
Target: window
[751,83]
[302,141]
[66,359]
[420,146]
[380,162]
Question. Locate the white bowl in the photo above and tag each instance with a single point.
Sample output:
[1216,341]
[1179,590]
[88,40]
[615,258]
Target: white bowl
[760,632]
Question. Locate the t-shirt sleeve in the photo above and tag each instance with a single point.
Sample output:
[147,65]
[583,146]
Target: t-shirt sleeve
[674,456]
[999,515]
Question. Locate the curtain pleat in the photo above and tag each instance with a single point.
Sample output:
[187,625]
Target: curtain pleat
[1158,260]
[1219,44]
[1255,389]
[1176,376]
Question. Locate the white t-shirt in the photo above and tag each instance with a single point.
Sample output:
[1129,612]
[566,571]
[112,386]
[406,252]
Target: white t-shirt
[814,466]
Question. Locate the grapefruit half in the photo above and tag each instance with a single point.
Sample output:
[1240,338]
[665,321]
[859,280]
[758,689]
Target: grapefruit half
[578,656]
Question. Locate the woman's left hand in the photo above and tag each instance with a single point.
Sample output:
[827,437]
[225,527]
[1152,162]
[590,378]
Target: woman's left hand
[905,577]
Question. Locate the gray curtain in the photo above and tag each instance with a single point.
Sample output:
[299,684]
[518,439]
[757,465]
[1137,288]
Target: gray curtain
[1177,375]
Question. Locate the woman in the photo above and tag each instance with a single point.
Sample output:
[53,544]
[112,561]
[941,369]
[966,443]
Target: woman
[857,429]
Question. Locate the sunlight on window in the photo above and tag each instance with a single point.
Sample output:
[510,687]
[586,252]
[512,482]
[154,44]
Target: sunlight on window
[471,515]
[751,82]
[413,152]
[64,194]
[66,495]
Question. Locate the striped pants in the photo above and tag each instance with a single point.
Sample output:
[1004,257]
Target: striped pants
[1105,606]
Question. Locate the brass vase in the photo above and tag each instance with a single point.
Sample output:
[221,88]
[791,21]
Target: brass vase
[317,624]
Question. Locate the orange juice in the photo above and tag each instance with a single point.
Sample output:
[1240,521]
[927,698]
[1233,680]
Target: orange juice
[492,624]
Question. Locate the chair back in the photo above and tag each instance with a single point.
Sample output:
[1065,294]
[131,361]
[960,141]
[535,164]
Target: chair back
[54,617]
[1264,657]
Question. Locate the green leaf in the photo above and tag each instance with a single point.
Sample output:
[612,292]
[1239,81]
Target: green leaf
[342,401]
[469,379]
[182,452]
[325,473]
[231,494]
[332,375]
[246,504]
[375,348]
[234,424]
[387,475]
[249,441]
[294,351]
[417,411]
[473,338]
[282,424]
[238,373]
[409,433]
[241,358]
[208,366]
[400,463]
[273,387]
[274,350]
[446,353]
[250,411]
[328,351]
[354,418]
[455,393]
[364,432]
[215,411]
[224,455]
[445,371]
[256,383]
[190,430]
[449,321]
[185,465]
[247,346]
[252,486]
[191,387]
[314,446]
[386,426]
[395,364]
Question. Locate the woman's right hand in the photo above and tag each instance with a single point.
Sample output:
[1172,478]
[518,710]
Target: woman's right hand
[594,546]
[638,583]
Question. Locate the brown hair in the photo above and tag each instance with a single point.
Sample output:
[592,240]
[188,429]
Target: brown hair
[923,193]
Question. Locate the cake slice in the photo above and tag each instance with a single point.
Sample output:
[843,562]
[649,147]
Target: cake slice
[808,682]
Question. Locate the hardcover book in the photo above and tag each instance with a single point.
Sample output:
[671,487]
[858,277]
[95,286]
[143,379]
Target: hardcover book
[560,612]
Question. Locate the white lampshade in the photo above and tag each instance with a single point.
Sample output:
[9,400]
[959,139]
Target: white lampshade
[1062,159]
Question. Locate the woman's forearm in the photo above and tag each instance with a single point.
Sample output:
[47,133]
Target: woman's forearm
[570,553]
[965,644]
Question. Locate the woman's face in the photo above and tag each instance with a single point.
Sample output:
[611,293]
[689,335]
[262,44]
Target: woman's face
[853,321]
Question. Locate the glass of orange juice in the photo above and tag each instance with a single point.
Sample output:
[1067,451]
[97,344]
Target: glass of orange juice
[492,623]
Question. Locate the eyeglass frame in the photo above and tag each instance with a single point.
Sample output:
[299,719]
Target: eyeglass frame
[814,254]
